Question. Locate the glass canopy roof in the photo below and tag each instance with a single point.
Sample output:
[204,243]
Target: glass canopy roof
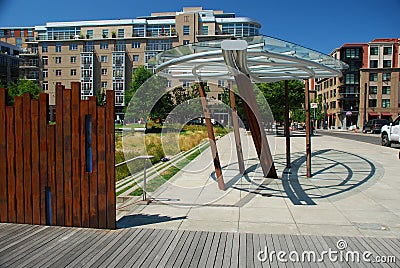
[266,59]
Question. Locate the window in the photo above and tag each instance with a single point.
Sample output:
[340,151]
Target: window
[45,86]
[73,47]
[103,45]
[135,44]
[58,83]
[387,51]
[105,33]
[18,42]
[386,76]
[45,61]
[333,104]
[219,97]
[73,59]
[121,33]
[58,59]
[186,18]
[387,63]
[58,72]
[89,34]
[186,84]
[204,30]
[385,103]
[103,84]
[89,47]
[104,59]
[169,83]
[45,73]
[186,42]
[385,89]
[73,72]
[186,30]
[372,103]
[373,89]
[135,58]
[104,71]
[120,46]
[221,83]
[45,47]
[352,53]
[373,64]
[373,50]
[373,77]
[350,79]
[58,47]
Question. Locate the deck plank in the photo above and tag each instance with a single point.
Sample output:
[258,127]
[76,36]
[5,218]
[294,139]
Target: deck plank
[221,250]
[235,251]
[197,252]
[228,250]
[187,236]
[163,250]
[181,235]
[206,251]
[192,249]
[213,250]
[187,249]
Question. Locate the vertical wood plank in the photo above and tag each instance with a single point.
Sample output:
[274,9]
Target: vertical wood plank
[101,166]
[76,182]
[43,119]
[58,195]
[84,104]
[35,161]
[51,171]
[3,158]
[19,160]
[27,157]
[67,157]
[12,213]
[110,159]
[94,220]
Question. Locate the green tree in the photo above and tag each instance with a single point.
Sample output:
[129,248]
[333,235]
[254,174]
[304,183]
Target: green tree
[275,96]
[21,87]
[140,75]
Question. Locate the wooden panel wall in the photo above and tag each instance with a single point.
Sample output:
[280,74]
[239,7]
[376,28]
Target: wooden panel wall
[35,155]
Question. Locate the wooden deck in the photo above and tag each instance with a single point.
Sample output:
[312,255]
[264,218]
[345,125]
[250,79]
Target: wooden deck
[42,246]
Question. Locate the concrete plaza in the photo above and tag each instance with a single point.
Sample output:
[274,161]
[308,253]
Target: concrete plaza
[354,191]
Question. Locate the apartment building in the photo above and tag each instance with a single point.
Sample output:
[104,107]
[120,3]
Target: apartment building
[344,98]
[103,54]
[9,63]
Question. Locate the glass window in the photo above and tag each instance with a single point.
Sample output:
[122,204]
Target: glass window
[45,61]
[159,45]
[45,73]
[18,42]
[135,58]
[58,72]
[89,34]
[73,72]
[186,42]
[138,30]
[387,51]
[385,89]
[352,53]
[373,50]
[121,33]
[103,45]
[105,33]
[387,63]
[186,83]
[386,76]
[373,64]
[58,47]
[73,47]
[204,30]
[73,59]
[373,89]
[385,103]
[58,59]
[372,103]
[45,47]
[135,44]
[104,71]
[351,79]
[373,77]
[186,30]
[45,86]
[104,84]
[104,59]
[120,46]
[221,83]
[89,47]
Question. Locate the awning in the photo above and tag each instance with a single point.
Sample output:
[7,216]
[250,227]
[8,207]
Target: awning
[386,114]
[373,114]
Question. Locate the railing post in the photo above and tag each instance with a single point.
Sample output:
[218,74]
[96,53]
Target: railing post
[144,181]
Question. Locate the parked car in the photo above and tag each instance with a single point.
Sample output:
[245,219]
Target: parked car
[375,125]
[391,133]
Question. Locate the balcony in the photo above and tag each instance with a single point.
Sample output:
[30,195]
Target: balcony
[30,65]
[32,77]
[29,52]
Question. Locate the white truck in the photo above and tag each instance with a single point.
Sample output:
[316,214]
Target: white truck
[391,133]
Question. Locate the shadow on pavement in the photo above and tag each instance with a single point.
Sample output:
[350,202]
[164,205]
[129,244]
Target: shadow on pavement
[144,219]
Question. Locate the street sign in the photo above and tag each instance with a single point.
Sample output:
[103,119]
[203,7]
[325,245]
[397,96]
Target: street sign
[314,105]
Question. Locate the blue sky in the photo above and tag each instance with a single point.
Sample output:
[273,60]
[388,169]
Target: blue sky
[317,24]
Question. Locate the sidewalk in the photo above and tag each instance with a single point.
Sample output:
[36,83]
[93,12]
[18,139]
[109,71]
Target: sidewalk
[354,191]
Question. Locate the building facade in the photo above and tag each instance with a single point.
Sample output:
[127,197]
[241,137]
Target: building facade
[9,64]
[368,89]
[103,54]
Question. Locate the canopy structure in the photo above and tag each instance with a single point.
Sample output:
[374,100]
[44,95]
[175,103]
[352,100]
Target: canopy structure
[247,60]
[264,58]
